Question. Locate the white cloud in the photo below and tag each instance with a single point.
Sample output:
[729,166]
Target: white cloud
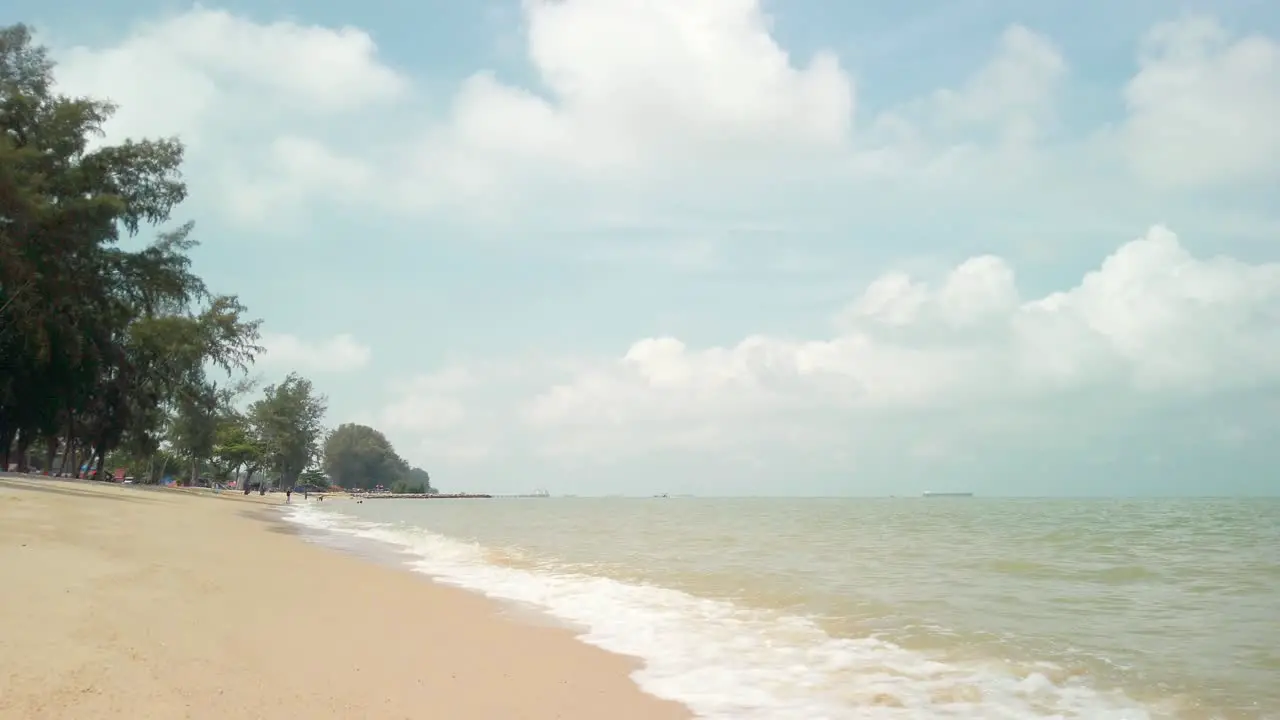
[644,104]
[680,92]
[1152,320]
[206,69]
[1204,109]
[294,170]
[934,371]
[635,94]
[424,413]
[1012,97]
[340,353]
[428,403]
[460,412]
[628,78]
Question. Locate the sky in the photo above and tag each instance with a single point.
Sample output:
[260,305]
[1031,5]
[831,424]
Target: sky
[739,247]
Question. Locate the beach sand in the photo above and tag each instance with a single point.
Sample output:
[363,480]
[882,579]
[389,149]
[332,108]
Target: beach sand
[122,602]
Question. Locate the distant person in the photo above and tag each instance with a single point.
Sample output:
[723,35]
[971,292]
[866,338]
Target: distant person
[288,494]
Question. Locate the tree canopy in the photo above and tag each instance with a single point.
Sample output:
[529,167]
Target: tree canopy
[360,457]
[287,421]
[96,342]
[110,351]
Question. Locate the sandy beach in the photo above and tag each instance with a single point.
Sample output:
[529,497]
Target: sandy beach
[124,602]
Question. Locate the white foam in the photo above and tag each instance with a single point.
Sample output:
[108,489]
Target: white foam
[726,662]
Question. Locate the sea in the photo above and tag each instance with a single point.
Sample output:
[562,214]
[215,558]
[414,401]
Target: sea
[813,609]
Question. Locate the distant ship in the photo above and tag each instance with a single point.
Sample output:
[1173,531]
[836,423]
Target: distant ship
[947,494]
[539,493]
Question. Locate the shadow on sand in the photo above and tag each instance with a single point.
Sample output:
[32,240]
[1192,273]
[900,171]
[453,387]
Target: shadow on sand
[65,487]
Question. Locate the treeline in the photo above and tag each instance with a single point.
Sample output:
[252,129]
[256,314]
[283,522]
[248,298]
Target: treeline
[357,456]
[114,358]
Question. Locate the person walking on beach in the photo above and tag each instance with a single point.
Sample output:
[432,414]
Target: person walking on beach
[288,494]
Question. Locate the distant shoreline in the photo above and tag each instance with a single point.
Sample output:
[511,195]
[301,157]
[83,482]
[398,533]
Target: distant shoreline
[420,496]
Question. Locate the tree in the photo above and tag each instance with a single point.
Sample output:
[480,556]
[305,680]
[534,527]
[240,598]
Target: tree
[420,478]
[99,347]
[105,351]
[195,426]
[405,486]
[357,456]
[236,448]
[313,477]
[286,422]
[360,457]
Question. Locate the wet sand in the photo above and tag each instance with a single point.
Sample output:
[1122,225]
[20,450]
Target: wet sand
[128,602]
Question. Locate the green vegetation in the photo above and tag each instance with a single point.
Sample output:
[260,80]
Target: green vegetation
[115,358]
[357,456]
[416,481]
[286,422]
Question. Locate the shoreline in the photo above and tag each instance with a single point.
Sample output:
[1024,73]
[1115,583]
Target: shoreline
[136,601]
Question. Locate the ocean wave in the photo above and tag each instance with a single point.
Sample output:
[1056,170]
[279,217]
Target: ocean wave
[727,662]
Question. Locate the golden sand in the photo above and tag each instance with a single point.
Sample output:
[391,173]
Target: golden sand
[124,602]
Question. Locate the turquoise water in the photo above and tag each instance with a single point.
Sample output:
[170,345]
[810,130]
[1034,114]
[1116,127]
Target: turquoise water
[843,608]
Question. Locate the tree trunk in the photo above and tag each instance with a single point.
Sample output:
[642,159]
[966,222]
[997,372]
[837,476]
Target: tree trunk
[101,454]
[67,455]
[7,433]
[50,452]
[24,441]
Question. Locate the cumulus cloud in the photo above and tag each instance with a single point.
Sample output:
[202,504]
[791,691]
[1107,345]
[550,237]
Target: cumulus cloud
[1204,108]
[919,372]
[340,353]
[208,69]
[632,82]
[461,413]
[1151,321]
[1009,102]
[293,171]
[638,99]
[428,403]
[694,117]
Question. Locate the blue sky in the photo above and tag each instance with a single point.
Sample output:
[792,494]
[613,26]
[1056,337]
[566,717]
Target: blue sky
[733,247]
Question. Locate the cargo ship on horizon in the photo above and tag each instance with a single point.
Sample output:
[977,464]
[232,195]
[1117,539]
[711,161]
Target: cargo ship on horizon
[929,493]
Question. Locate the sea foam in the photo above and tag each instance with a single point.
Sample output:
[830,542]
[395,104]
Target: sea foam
[727,662]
